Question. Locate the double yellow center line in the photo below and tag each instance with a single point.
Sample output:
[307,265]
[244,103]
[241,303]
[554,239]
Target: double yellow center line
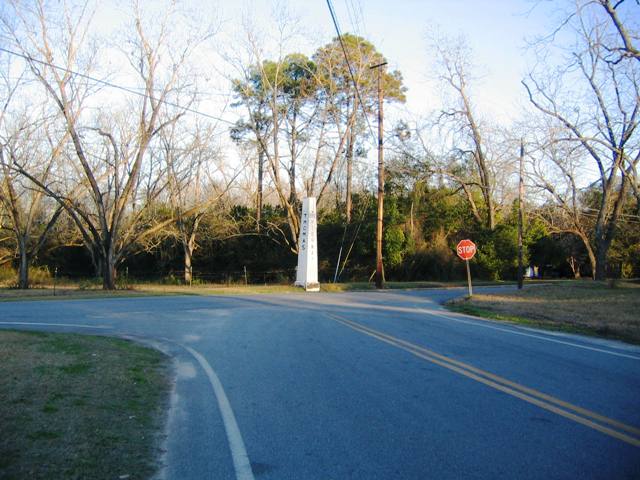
[621,431]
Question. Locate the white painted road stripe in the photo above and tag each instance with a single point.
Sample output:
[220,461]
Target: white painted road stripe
[241,461]
[55,325]
[477,323]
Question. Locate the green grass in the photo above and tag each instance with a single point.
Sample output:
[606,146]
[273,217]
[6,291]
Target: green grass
[74,406]
[586,307]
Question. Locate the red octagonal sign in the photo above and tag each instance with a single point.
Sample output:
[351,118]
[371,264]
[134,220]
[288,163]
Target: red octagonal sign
[466,249]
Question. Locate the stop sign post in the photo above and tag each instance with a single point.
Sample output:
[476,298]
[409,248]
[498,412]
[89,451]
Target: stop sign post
[466,249]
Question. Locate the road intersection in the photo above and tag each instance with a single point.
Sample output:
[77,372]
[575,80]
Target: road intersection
[371,385]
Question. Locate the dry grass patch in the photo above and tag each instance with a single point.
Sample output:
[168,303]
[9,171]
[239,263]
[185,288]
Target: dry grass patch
[139,290]
[93,290]
[66,292]
[587,307]
[75,406]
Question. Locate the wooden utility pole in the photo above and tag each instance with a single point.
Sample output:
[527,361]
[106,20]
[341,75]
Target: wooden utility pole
[379,266]
[521,219]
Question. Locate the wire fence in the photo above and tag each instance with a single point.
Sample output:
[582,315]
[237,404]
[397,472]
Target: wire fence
[127,277]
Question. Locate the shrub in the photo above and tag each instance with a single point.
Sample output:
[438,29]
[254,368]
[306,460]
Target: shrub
[89,283]
[39,276]
[171,279]
[7,275]
[432,263]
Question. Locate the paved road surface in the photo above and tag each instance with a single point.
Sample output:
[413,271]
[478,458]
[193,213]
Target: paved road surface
[371,385]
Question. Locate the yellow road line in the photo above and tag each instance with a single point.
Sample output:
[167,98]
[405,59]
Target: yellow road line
[530,395]
[502,380]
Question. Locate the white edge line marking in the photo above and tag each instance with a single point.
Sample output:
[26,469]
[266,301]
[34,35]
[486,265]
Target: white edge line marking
[540,337]
[241,460]
[39,324]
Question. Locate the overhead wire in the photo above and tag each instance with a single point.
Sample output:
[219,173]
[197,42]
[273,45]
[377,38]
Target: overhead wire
[373,135]
[113,85]
[356,17]
[349,67]
[352,16]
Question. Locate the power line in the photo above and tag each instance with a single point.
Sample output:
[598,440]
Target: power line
[356,16]
[351,74]
[352,17]
[113,85]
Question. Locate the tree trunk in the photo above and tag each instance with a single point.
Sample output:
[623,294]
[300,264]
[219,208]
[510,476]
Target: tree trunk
[188,268]
[575,267]
[491,212]
[188,236]
[189,246]
[602,249]
[293,197]
[260,181]
[109,272]
[23,279]
[411,220]
[605,229]
[593,260]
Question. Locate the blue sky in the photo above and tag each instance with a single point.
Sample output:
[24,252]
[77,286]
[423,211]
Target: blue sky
[495,30]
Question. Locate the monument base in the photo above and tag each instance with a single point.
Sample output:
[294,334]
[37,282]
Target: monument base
[309,287]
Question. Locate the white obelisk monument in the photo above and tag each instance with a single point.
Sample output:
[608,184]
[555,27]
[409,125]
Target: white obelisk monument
[307,272]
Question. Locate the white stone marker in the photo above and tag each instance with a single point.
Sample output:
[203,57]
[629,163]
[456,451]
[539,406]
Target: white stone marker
[307,272]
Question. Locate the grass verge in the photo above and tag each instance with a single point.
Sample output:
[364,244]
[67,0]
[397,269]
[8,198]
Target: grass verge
[74,406]
[355,286]
[70,291]
[587,307]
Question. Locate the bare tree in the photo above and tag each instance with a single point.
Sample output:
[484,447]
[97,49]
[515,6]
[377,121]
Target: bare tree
[594,96]
[625,44]
[467,163]
[198,181]
[25,138]
[555,171]
[29,217]
[109,152]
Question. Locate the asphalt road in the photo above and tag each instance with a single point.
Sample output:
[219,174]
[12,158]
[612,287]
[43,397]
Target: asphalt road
[371,385]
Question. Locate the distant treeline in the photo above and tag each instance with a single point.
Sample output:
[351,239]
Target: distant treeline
[419,244]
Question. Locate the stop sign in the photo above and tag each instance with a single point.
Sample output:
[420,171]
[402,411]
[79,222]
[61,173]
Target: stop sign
[466,249]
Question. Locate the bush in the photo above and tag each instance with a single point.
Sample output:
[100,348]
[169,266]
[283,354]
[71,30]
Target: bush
[39,276]
[89,283]
[433,263]
[497,256]
[394,242]
[7,275]
[171,279]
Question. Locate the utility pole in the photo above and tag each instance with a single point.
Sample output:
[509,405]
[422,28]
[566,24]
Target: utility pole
[521,219]
[379,266]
